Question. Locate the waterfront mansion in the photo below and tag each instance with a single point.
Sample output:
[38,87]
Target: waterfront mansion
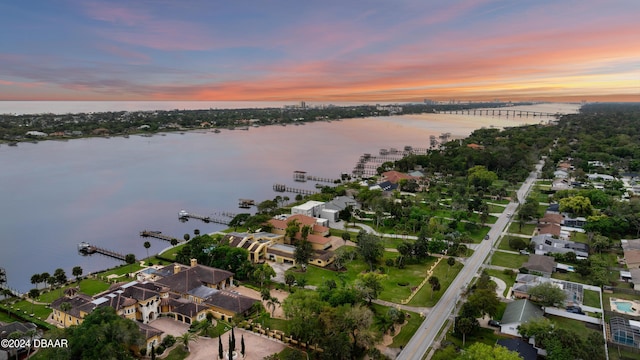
[184,293]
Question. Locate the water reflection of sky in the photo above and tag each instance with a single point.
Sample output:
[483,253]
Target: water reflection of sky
[105,191]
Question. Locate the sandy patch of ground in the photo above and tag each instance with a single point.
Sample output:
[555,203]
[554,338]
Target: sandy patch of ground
[279,294]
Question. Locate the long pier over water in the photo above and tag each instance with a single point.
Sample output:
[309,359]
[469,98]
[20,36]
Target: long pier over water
[184,216]
[499,112]
[88,249]
[158,235]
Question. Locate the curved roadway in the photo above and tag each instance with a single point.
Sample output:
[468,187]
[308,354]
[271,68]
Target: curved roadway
[427,332]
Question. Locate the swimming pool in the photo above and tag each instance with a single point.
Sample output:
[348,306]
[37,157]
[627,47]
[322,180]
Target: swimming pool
[624,306]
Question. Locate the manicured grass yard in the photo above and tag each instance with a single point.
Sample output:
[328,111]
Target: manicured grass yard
[527,229]
[509,280]
[504,243]
[25,307]
[495,208]
[445,275]
[412,274]
[93,286]
[591,298]
[5,318]
[413,323]
[570,324]
[513,261]
[121,270]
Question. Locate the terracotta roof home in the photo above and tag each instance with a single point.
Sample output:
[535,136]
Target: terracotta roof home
[395,176]
[551,229]
[551,218]
[475,146]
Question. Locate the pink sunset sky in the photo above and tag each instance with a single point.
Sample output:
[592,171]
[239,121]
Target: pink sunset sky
[361,50]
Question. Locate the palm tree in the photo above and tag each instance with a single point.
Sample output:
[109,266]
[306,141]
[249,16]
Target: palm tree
[174,242]
[76,271]
[36,279]
[147,245]
[130,259]
[186,338]
[186,237]
[272,303]
[33,295]
[64,307]
[464,326]
[44,277]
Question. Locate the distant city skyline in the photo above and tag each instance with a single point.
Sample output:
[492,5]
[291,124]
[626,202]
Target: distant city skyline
[386,51]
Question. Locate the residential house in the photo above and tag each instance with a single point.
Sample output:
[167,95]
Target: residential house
[546,243]
[318,237]
[256,244]
[20,328]
[631,250]
[517,313]
[310,208]
[524,349]
[394,177]
[524,282]
[625,332]
[542,264]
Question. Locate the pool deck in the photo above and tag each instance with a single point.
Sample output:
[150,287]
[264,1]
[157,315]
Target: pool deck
[635,306]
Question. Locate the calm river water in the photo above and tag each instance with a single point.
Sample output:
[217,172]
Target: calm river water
[56,194]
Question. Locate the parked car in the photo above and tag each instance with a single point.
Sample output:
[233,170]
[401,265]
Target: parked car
[494,323]
[575,310]
[524,252]
[486,237]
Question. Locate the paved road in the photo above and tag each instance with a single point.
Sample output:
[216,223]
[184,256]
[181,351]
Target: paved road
[426,333]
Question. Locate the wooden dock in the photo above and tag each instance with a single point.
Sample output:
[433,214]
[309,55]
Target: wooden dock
[158,235]
[285,188]
[185,216]
[88,249]
[302,176]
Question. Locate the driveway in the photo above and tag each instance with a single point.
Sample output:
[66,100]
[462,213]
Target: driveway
[256,346]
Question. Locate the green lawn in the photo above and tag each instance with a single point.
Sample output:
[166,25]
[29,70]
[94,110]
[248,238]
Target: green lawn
[171,253]
[178,353]
[121,270]
[6,318]
[412,274]
[504,243]
[570,324]
[527,229]
[591,298]
[26,308]
[483,335]
[509,280]
[445,274]
[93,286]
[495,208]
[413,323]
[513,261]
[579,237]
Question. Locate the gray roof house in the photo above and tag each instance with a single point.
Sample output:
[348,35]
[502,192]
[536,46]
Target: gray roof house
[516,313]
[542,264]
[545,243]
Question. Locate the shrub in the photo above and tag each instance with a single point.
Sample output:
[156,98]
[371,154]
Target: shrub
[168,341]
